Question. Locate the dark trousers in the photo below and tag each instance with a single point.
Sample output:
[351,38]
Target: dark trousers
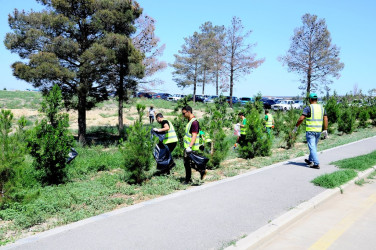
[171,146]
[188,165]
[151,119]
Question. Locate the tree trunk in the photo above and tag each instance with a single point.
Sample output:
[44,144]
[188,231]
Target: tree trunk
[309,75]
[82,118]
[120,104]
[231,85]
[203,83]
[216,82]
[194,91]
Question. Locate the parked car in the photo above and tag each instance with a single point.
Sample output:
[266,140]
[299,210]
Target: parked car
[144,95]
[285,105]
[210,99]
[234,99]
[244,100]
[199,98]
[175,97]
[268,103]
[300,104]
[163,96]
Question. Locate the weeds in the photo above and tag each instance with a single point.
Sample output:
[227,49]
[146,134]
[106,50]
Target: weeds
[335,179]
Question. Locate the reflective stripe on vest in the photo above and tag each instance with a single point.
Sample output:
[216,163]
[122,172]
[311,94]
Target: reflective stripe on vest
[269,122]
[242,129]
[170,136]
[314,123]
[188,136]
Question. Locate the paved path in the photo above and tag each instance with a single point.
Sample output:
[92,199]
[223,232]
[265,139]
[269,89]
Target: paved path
[205,217]
[344,222]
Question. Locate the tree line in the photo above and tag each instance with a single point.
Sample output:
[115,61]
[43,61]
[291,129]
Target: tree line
[93,48]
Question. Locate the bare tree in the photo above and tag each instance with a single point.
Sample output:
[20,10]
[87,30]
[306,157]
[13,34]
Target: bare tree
[312,54]
[239,59]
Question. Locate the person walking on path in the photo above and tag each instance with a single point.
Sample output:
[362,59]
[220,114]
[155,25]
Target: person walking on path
[242,128]
[191,143]
[170,139]
[316,117]
[151,114]
[269,124]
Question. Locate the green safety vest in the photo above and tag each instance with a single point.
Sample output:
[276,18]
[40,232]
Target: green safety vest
[188,137]
[269,122]
[204,137]
[170,136]
[314,123]
[242,129]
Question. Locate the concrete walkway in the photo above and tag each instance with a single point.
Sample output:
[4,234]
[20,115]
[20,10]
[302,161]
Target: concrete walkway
[205,217]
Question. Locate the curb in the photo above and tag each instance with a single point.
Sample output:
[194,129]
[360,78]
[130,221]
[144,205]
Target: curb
[265,233]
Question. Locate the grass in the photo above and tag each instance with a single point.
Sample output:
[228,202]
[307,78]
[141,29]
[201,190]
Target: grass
[359,163]
[335,179]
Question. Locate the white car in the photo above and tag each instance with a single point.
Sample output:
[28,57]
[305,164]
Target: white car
[285,105]
[175,97]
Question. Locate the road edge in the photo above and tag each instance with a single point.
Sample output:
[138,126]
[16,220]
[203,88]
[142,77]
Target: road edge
[265,233]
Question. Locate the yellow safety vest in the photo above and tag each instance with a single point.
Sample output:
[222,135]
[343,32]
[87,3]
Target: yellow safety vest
[269,122]
[242,129]
[188,136]
[314,123]
[170,136]
[204,137]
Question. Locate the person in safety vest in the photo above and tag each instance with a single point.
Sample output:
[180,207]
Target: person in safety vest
[242,128]
[191,142]
[170,139]
[204,139]
[316,117]
[269,121]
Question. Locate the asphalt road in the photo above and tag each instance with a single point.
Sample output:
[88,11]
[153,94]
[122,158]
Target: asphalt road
[205,217]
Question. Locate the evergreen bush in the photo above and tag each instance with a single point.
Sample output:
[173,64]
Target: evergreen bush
[257,142]
[333,112]
[363,118]
[289,123]
[137,153]
[50,141]
[346,121]
[278,122]
[12,151]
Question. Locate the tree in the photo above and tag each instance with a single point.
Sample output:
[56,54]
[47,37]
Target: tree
[239,59]
[50,141]
[312,54]
[187,64]
[63,45]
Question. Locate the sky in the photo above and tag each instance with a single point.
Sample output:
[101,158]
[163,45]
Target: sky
[352,25]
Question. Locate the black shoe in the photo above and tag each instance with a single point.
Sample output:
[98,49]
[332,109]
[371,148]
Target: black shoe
[308,162]
[315,166]
[187,182]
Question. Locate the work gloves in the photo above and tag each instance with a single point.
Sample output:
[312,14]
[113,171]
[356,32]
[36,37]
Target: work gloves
[295,129]
[155,130]
[188,150]
[325,134]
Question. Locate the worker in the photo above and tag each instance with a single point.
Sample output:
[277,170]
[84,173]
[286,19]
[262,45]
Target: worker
[191,143]
[241,137]
[170,139]
[316,117]
[269,121]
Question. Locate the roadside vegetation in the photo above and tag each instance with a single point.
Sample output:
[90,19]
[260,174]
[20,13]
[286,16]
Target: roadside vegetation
[349,167]
[100,180]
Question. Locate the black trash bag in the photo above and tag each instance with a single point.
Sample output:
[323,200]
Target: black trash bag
[72,154]
[198,160]
[161,152]
[160,136]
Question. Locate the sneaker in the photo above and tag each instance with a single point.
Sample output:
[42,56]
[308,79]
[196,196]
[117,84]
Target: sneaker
[203,174]
[308,162]
[315,166]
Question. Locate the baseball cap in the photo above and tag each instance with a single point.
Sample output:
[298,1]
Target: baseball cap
[313,96]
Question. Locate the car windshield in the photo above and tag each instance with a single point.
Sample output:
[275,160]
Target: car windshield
[245,99]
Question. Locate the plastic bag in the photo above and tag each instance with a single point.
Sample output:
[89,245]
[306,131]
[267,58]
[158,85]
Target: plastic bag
[237,129]
[199,161]
[72,154]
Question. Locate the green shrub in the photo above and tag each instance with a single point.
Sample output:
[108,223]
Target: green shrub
[278,122]
[12,151]
[363,118]
[137,153]
[289,123]
[334,179]
[372,114]
[257,142]
[216,119]
[333,111]
[50,140]
[346,121]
